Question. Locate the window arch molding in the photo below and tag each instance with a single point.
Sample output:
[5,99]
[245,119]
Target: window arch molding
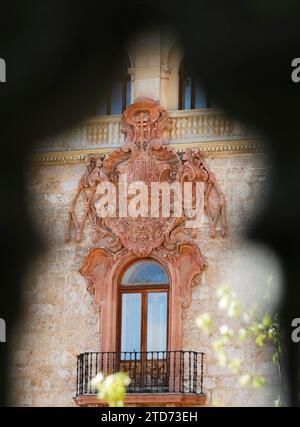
[103,274]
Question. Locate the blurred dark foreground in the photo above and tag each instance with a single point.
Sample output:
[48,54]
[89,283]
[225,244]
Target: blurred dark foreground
[58,57]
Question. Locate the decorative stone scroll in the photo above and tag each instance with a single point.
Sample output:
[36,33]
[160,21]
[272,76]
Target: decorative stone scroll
[124,239]
[144,157]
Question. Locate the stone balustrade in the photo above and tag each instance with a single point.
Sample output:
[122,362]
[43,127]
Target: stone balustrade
[187,126]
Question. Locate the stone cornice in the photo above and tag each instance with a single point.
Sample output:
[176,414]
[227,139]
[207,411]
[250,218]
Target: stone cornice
[211,148]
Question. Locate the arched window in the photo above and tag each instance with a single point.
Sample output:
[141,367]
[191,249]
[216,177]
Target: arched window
[118,95]
[191,93]
[143,318]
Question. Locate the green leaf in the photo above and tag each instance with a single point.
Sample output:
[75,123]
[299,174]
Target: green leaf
[260,339]
[258,381]
[267,320]
[275,357]
[243,334]
[254,329]
[113,388]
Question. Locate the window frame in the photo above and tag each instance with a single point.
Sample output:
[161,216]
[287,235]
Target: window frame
[183,74]
[144,290]
[124,79]
[122,75]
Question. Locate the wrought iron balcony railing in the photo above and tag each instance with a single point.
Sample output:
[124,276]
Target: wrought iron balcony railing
[149,372]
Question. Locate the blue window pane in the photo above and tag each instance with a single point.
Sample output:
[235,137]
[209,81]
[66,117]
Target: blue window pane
[116,98]
[157,322]
[128,93]
[187,93]
[200,98]
[131,323]
[145,272]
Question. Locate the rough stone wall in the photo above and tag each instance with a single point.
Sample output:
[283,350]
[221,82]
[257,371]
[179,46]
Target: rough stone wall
[61,321]
[247,269]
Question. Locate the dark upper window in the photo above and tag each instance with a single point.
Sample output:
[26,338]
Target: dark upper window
[191,93]
[118,94]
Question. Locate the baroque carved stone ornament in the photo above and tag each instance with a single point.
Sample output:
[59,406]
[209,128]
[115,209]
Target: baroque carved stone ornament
[122,238]
[144,157]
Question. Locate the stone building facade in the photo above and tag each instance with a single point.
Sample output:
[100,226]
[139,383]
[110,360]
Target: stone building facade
[63,316]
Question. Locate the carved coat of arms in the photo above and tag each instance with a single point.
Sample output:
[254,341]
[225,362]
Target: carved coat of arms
[144,158]
[122,238]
